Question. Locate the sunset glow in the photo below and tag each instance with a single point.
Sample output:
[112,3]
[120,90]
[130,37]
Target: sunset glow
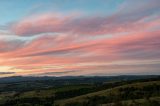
[79,37]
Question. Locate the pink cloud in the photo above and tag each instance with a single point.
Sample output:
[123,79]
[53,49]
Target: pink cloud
[47,50]
[90,26]
[66,41]
[123,20]
[41,24]
[7,46]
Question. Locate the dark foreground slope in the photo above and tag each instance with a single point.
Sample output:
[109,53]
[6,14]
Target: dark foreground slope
[139,93]
[82,91]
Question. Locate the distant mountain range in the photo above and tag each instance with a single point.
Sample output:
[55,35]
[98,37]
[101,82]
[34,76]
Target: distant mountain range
[77,78]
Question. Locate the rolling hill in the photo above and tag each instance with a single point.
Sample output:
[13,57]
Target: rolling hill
[82,91]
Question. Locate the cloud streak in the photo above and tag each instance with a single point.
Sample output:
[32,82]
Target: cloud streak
[123,20]
[50,43]
[6,73]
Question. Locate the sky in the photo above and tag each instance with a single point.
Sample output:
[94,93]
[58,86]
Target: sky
[79,37]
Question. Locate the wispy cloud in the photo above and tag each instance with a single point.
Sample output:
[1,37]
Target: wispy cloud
[57,73]
[65,42]
[6,73]
[123,20]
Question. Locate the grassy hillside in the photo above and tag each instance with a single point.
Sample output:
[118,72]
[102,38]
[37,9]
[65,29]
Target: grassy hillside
[153,101]
[138,92]
[136,89]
